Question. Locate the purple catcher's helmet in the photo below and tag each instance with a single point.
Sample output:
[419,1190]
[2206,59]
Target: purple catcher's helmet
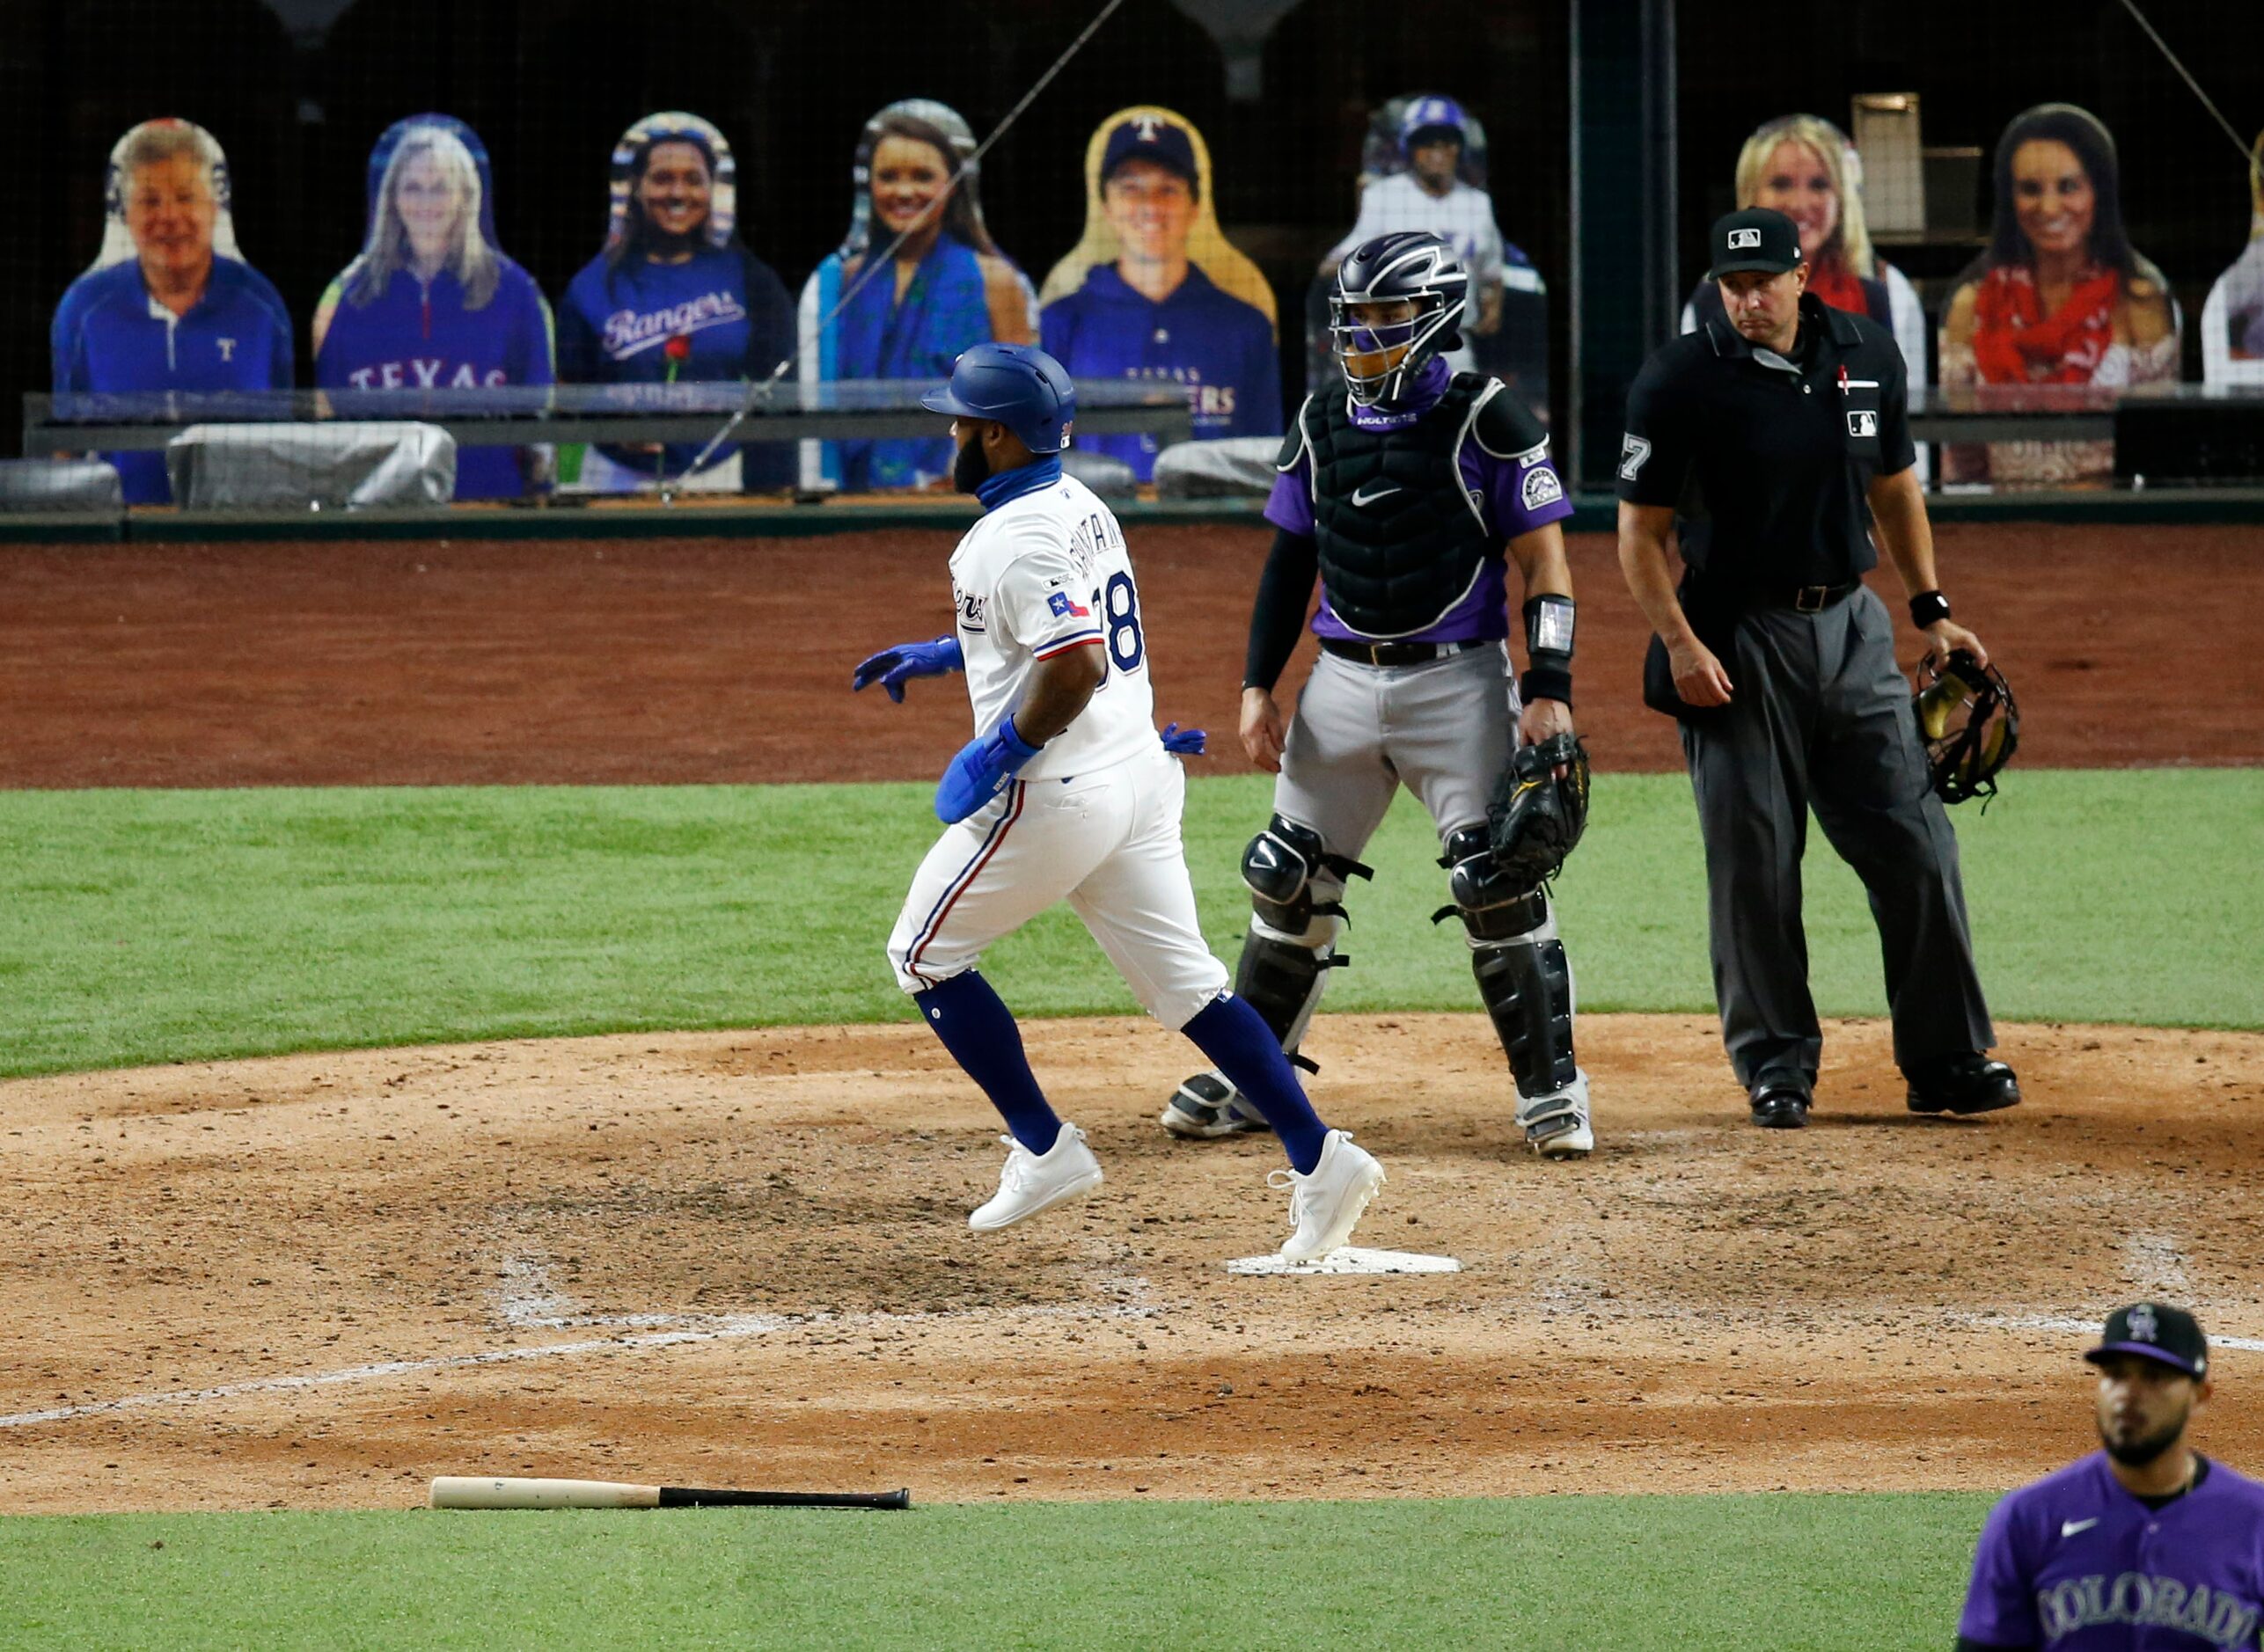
[1019,386]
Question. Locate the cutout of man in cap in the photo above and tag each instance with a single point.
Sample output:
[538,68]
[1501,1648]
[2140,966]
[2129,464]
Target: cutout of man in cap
[1152,290]
[2145,1542]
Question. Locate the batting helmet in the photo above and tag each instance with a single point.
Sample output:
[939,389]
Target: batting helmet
[1970,724]
[1019,386]
[1408,266]
[1427,116]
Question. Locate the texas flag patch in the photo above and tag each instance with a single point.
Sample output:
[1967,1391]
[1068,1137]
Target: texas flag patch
[1062,608]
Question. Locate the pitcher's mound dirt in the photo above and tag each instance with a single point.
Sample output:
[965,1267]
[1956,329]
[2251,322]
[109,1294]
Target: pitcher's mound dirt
[742,1258]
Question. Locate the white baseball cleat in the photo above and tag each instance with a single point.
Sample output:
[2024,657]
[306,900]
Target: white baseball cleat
[1324,1206]
[1032,1182]
[1557,1126]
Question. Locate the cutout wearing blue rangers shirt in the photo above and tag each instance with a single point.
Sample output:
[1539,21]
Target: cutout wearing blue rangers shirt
[168,303]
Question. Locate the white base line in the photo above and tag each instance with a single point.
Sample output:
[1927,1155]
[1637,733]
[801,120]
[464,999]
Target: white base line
[2011,1322]
[737,1326]
[730,1328]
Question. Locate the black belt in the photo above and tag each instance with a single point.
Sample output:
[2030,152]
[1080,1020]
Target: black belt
[1389,653]
[1805,599]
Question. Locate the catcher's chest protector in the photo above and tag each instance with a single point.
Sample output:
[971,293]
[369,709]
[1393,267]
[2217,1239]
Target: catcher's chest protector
[1400,540]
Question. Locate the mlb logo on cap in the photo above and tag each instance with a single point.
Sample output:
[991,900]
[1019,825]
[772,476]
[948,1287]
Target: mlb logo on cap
[1756,238]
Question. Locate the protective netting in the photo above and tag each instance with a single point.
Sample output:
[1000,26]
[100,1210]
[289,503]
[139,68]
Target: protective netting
[392,200]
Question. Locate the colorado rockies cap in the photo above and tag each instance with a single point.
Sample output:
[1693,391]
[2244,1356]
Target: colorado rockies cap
[1755,238]
[1149,137]
[2156,1331]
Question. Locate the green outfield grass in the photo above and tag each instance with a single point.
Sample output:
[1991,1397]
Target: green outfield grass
[1781,1571]
[141,926]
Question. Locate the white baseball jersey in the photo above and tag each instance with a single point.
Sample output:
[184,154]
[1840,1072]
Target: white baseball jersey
[1463,219]
[1040,575]
[1094,818]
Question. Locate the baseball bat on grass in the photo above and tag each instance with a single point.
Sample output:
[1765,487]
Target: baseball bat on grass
[466,1491]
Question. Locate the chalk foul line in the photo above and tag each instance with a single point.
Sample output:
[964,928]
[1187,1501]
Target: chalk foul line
[716,1328]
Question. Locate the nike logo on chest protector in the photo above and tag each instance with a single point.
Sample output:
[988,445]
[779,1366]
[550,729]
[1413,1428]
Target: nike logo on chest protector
[1369,494]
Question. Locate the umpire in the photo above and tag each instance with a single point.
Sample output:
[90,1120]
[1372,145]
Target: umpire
[1772,441]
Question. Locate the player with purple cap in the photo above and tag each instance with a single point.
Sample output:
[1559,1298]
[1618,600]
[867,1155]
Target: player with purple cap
[2144,1543]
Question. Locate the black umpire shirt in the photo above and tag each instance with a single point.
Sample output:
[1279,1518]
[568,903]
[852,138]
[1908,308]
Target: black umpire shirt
[1767,461]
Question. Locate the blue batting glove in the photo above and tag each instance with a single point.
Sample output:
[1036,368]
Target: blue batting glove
[1187,742]
[893,667]
[984,764]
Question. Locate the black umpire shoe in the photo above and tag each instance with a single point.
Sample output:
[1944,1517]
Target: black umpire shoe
[1780,1104]
[1962,1084]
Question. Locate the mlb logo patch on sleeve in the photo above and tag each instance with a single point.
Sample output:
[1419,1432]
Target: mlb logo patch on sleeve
[1062,608]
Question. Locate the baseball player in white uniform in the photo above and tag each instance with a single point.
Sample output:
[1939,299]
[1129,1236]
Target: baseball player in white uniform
[1067,792]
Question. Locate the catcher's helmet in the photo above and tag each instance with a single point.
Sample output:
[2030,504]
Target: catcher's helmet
[1969,722]
[1430,119]
[1019,385]
[1408,266]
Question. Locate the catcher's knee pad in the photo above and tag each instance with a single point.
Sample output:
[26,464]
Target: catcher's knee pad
[1492,905]
[1282,981]
[1292,878]
[1527,987]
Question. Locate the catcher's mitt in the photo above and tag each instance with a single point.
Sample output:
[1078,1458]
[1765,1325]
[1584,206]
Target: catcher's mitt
[1971,725]
[1535,819]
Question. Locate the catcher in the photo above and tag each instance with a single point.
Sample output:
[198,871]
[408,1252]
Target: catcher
[1400,493]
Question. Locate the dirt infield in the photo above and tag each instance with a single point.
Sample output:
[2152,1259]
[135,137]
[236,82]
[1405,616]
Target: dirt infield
[700,660]
[742,1258]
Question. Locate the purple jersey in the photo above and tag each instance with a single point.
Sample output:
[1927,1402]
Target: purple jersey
[2075,1563]
[1516,493]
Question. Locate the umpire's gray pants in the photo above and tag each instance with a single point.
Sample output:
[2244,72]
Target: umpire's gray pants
[1820,718]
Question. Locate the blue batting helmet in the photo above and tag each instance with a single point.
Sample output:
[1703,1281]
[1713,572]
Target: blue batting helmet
[1018,385]
[1426,116]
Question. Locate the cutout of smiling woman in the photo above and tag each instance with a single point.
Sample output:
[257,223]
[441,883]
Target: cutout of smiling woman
[432,302]
[673,268]
[2060,298]
[947,287]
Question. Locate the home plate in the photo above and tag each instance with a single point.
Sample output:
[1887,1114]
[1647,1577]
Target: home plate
[1349,1258]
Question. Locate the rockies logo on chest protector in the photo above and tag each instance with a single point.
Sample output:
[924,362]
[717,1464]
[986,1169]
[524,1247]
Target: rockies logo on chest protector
[1400,540]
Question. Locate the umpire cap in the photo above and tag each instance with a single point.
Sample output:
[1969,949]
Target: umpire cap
[1017,385]
[1755,239]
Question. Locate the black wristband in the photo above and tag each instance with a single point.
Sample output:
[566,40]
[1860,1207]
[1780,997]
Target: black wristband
[1546,682]
[1927,607]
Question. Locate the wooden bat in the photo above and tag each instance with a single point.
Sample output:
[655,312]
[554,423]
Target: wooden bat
[466,1491]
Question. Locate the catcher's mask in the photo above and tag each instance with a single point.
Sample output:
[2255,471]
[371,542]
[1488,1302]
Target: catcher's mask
[1971,725]
[1379,360]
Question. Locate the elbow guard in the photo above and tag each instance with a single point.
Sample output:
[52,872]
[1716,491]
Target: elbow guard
[1548,647]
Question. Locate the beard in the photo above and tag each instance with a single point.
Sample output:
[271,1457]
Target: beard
[971,468]
[2146,1448]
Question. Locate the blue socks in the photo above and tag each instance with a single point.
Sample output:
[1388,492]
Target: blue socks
[1242,1047]
[979,1031]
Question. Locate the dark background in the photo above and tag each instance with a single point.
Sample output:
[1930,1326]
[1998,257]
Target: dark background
[297,96]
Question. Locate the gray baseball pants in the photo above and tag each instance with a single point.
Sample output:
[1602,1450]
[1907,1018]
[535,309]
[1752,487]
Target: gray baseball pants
[1821,718]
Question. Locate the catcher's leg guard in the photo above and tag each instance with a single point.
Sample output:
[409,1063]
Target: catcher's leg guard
[1526,984]
[1296,889]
